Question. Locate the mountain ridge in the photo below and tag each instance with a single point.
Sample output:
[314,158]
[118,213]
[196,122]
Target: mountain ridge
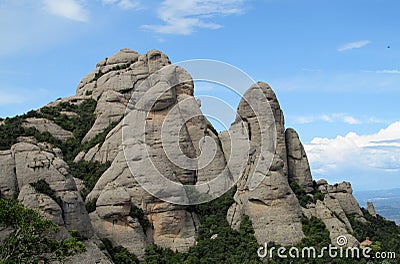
[65,145]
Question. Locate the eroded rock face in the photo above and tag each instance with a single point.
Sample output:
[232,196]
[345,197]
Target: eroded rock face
[92,254]
[49,208]
[333,210]
[45,125]
[298,167]
[117,191]
[108,150]
[118,83]
[28,163]
[335,226]
[8,178]
[344,194]
[112,82]
[272,206]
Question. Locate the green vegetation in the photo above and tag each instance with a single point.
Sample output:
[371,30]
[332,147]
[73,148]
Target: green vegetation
[303,197]
[138,213]
[158,255]
[119,254]
[195,196]
[89,172]
[230,246]
[316,233]
[98,139]
[75,234]
[384,234]
[43,187]
[29,241]
[79,125]
[91,205]
[210,127]
[12,129]
[97,75]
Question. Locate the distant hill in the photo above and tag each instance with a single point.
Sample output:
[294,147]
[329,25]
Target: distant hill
[387,202]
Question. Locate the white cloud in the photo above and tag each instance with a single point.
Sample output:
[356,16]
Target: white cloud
[379,151]
[182,17]
[70,9]
[124,4]
[354,45]
[389,71]
[375,120]
[383,71]
[351,120]
[330,118]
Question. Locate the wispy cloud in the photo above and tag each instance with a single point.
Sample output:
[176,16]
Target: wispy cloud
[183,17]
[393,71]
[124,4]
[335,117]
[379,151]
[354,45]
[69,9]
[388,71]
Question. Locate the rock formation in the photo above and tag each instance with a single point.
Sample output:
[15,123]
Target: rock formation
[272,206]
[263,190]
[26,164]
[343,193]
[298,167]
[44,125]
[371,209]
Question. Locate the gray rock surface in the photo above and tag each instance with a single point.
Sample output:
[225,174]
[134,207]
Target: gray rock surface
[113,81]
[272,206]
[263,173]
[117,190]
[343,192]
[334,206]
[110,108]
[30,163]
[371,209]
[45,125]
[108,150]
[92,254]
[8,178]
[298,167]
[30,198]
[335,227]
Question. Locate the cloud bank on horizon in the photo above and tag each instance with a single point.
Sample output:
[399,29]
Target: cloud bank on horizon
[354,153]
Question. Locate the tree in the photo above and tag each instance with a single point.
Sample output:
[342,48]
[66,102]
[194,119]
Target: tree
[30,237]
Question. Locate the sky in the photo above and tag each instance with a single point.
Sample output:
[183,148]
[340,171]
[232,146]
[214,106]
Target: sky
[334,65]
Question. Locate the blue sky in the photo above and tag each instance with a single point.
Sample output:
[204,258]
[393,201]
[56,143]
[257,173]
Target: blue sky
[335,65]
